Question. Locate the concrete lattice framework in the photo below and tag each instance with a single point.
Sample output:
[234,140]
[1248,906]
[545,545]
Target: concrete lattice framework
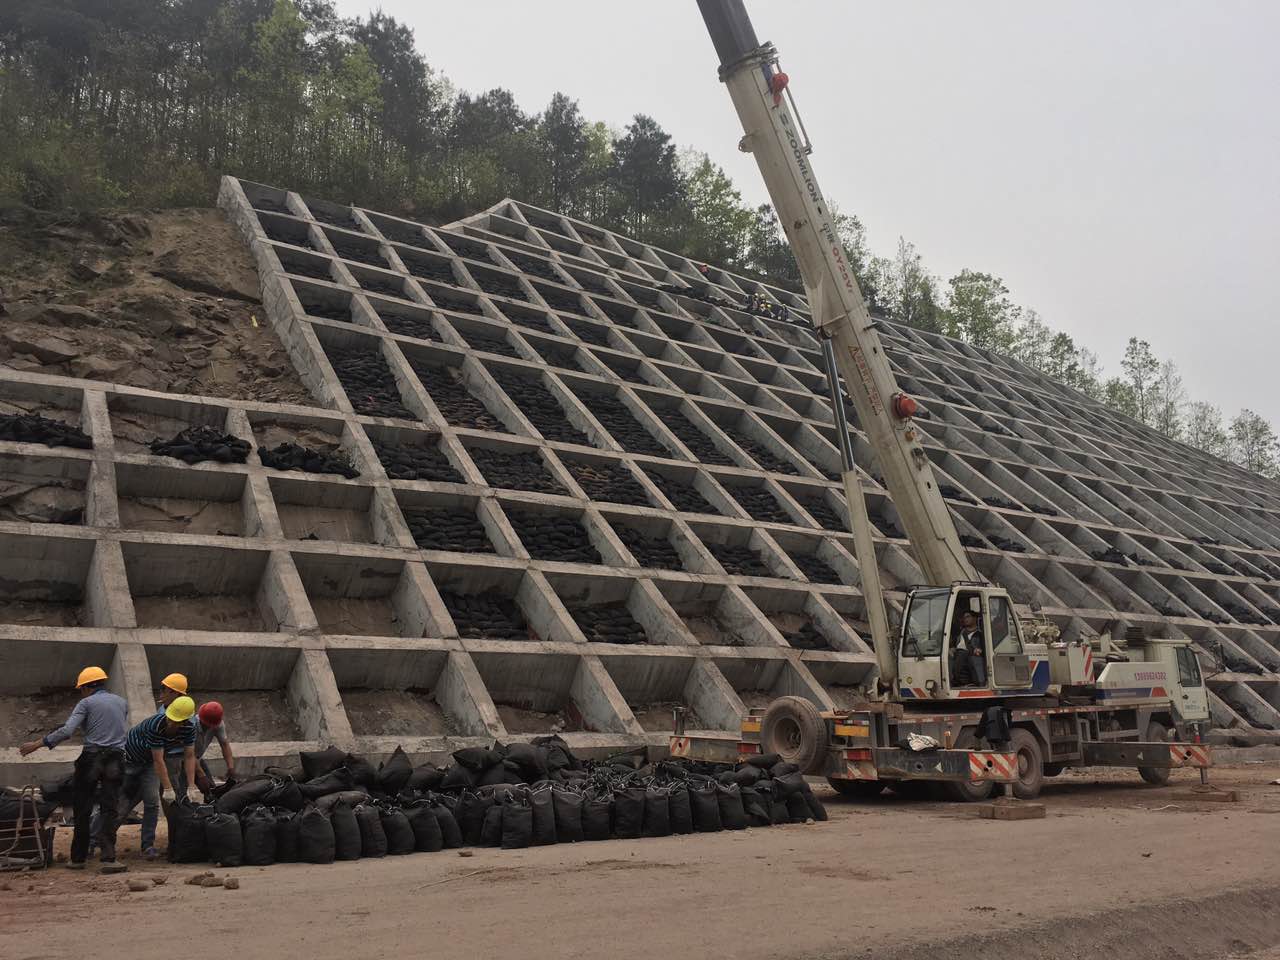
[692,432]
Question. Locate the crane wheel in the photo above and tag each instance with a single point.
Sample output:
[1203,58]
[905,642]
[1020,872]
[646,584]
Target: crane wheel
[1156,776]
[857,789]
[968,791]
[794,729]
[1030,764]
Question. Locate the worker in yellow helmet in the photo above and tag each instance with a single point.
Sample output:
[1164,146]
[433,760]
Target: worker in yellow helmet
[99,769]
[146,777]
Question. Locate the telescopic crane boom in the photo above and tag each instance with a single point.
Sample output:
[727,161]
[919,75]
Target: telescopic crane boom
[775,136]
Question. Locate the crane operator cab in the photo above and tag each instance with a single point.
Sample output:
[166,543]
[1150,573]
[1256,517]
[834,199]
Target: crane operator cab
[964,641]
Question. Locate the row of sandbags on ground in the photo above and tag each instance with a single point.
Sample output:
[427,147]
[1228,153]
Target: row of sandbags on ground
[276,819]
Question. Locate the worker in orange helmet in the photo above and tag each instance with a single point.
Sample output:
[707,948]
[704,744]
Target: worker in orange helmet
[99,770]
[171,688]
[210,726]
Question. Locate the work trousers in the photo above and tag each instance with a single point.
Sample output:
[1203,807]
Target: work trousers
[99,773]
[140,783]
[968,670]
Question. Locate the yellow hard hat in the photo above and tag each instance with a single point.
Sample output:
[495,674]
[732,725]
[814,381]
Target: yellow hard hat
[175,682]
[90,675]
[183,708]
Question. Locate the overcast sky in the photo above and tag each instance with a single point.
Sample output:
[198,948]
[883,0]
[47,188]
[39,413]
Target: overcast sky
[1118,164]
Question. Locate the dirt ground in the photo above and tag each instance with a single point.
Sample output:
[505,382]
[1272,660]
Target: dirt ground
[1115,869]
[159,299]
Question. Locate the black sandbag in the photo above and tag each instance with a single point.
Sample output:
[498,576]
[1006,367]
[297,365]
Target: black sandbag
[335,781]
[764,760]
[315,837]
[316,763]
[556,754]
[400,836]
[544,816]
[705,807]
[517,826]
[258,836]
[373,842]
[791,784]
[477,759]
[797,808]
[187,842]
[491,828]
[679,813]
[500,773]
[425,777]
[756,809]
[427,835]
[729,799]
[394,772]
[472,808]
[243,794]
[597,813]
[567,807]
[349,797]
[530,761]
[657,812]
[816,808]
[222,834]
[457,777]
[778,811]
[346,832]
[450,832]
[782,769]
[744,776]
[284,793]
[362,771]
[288,823]
[628,812]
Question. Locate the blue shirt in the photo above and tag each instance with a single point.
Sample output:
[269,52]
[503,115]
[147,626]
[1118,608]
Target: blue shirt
[151,734]
[105,718]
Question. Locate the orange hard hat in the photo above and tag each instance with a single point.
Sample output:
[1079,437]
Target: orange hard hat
[175,682]
[90,675]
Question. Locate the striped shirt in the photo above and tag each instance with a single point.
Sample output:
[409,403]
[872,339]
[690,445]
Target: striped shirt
[151,734]
[105,718]
[204,737]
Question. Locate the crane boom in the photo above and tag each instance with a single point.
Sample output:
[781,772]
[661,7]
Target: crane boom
[775,136]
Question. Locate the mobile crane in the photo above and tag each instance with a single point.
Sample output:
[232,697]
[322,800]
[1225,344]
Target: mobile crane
[1056,704]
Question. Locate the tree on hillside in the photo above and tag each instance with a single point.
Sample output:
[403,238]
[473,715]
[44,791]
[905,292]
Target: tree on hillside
[564,139]
[979,311]
[905,290]
[767,251]
[1119,395]
[1254,444]
[718,226]
[1168,398]
[1141,370]
[644,175]
[1204,429]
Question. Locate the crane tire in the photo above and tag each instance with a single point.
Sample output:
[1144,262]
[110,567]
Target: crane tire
[968,791]
[857,789]
[1156,776]
[1030,764]
[794,729]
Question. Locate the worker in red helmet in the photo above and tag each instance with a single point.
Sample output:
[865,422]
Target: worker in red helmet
[210,726]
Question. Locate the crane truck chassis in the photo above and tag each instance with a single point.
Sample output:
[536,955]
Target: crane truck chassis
[1039,703]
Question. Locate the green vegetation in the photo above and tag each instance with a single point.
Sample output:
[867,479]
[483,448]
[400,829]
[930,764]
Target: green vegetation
[146,102]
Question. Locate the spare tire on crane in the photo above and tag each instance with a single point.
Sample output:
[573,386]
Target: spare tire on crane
[794,729]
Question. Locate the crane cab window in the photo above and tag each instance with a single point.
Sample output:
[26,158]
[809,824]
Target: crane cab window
[1188,667]
[925,625]
[1004,634]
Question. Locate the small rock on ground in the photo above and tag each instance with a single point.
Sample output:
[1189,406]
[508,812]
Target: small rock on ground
[231,883]
[137,885]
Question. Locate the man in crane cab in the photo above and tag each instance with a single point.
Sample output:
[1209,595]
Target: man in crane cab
[968,668]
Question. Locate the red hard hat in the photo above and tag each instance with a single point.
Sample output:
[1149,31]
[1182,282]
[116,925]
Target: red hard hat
[211,713]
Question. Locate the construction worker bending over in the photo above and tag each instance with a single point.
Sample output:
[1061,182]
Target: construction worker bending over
[210,726]
[146,776]
[99,769]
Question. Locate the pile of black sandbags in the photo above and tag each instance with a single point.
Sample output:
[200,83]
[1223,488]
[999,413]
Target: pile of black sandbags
[410,461]
[197,444]
[441,529]
[549,536]
[294,456]
[32,428]
[759,503]
[369,383]
[655,552]
[738,561]
[486,616]
[337,806]
[611,482]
